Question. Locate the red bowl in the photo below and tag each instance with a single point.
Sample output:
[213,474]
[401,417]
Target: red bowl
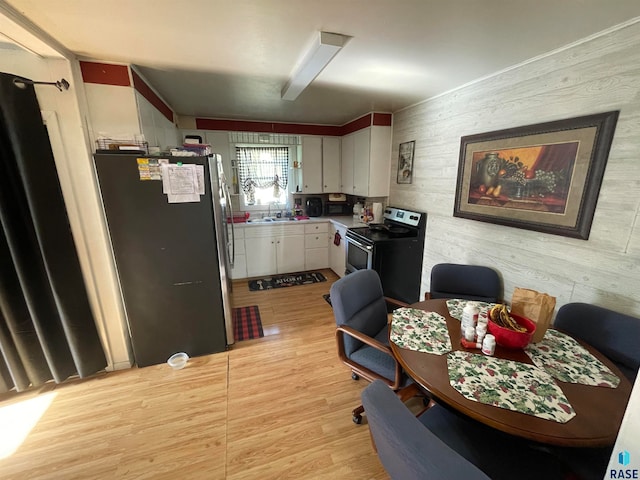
[508,338]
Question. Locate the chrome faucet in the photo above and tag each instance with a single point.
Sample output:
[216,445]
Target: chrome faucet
[268,211]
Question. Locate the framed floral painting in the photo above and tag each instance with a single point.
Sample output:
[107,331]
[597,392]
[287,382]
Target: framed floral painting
[405,162]
[544,177]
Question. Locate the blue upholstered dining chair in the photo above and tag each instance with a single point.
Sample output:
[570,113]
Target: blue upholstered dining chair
[362,333]
[616,336]
[470,282]
[442,445]
[613,334]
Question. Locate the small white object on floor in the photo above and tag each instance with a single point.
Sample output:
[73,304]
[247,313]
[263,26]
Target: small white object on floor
[178,361]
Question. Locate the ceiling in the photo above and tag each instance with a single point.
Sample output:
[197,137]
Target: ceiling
[231,58]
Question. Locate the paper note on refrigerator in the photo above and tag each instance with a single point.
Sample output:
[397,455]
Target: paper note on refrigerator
[143,168]
[180,183]
[200,179]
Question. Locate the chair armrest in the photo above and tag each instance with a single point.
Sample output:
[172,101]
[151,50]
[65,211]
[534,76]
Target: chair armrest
[360,369]
[396,303]
[364,338]
[413,390]
[409,392]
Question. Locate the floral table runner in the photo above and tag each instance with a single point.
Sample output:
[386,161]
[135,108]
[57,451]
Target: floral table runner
[566,360]
[418,330]
[508,384]
[456,305]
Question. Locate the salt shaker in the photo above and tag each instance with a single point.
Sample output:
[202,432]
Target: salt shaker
[489,344]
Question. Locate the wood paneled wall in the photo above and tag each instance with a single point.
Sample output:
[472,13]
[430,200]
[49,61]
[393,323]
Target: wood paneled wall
[598,75]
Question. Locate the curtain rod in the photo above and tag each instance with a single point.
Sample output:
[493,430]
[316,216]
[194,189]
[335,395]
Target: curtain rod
[60,84]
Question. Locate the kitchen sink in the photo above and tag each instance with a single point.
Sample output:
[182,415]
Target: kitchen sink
[272,220]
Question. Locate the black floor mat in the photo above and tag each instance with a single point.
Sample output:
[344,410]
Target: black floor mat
[286,280]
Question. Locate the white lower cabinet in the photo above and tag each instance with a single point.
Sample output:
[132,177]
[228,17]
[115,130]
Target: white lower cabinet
[289,254]
[261,256]
[337,253]
[316,251]
[239,269]
[274,249]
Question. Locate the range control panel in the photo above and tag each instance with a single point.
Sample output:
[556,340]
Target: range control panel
[400,215]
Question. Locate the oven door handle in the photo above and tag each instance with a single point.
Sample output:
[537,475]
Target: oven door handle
[366,247]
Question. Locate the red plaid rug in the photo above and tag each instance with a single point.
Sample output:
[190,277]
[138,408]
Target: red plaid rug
[246,323]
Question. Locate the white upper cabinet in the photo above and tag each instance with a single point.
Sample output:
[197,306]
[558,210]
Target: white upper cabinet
[366,162]
[331,165]
[347,163]
[361,167]
[312,164]
[321,164]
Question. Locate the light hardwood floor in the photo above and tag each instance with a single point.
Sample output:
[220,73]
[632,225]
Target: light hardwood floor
[276,407]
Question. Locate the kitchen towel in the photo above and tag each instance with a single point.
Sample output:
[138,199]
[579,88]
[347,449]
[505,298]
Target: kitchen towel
[377,212]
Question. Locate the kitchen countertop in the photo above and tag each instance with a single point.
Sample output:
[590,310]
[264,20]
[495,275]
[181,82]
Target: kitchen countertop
[345,221]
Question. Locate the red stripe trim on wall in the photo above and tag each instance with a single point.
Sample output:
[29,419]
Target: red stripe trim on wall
[141,86]
[357,124]
[382,119]
[233,125]
[303,129]
[266,127]
[105,73]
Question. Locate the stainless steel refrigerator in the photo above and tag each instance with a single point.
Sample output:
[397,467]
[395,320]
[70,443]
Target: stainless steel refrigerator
[172,256]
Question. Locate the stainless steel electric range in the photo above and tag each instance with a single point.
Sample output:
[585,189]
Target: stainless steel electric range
[394,249]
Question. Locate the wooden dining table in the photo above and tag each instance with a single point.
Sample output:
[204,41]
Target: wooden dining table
[599,410]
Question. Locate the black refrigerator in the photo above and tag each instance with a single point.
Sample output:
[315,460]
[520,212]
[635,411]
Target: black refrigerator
[169,255]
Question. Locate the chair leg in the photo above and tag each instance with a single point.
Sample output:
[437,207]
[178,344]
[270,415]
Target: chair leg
[357,414]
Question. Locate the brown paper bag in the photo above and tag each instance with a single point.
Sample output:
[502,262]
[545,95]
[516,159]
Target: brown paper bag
[536,306]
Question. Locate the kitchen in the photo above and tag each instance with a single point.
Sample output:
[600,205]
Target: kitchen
[575,80]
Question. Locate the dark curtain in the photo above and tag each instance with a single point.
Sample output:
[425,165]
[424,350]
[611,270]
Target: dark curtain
[560,159]
[47,329]
[556,157]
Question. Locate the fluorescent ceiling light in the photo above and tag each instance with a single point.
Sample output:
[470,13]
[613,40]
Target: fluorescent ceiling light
[318,57]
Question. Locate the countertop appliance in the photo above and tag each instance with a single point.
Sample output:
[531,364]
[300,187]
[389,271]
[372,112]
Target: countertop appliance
[337,208]
[394,248]
[174,281]
[314,206]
